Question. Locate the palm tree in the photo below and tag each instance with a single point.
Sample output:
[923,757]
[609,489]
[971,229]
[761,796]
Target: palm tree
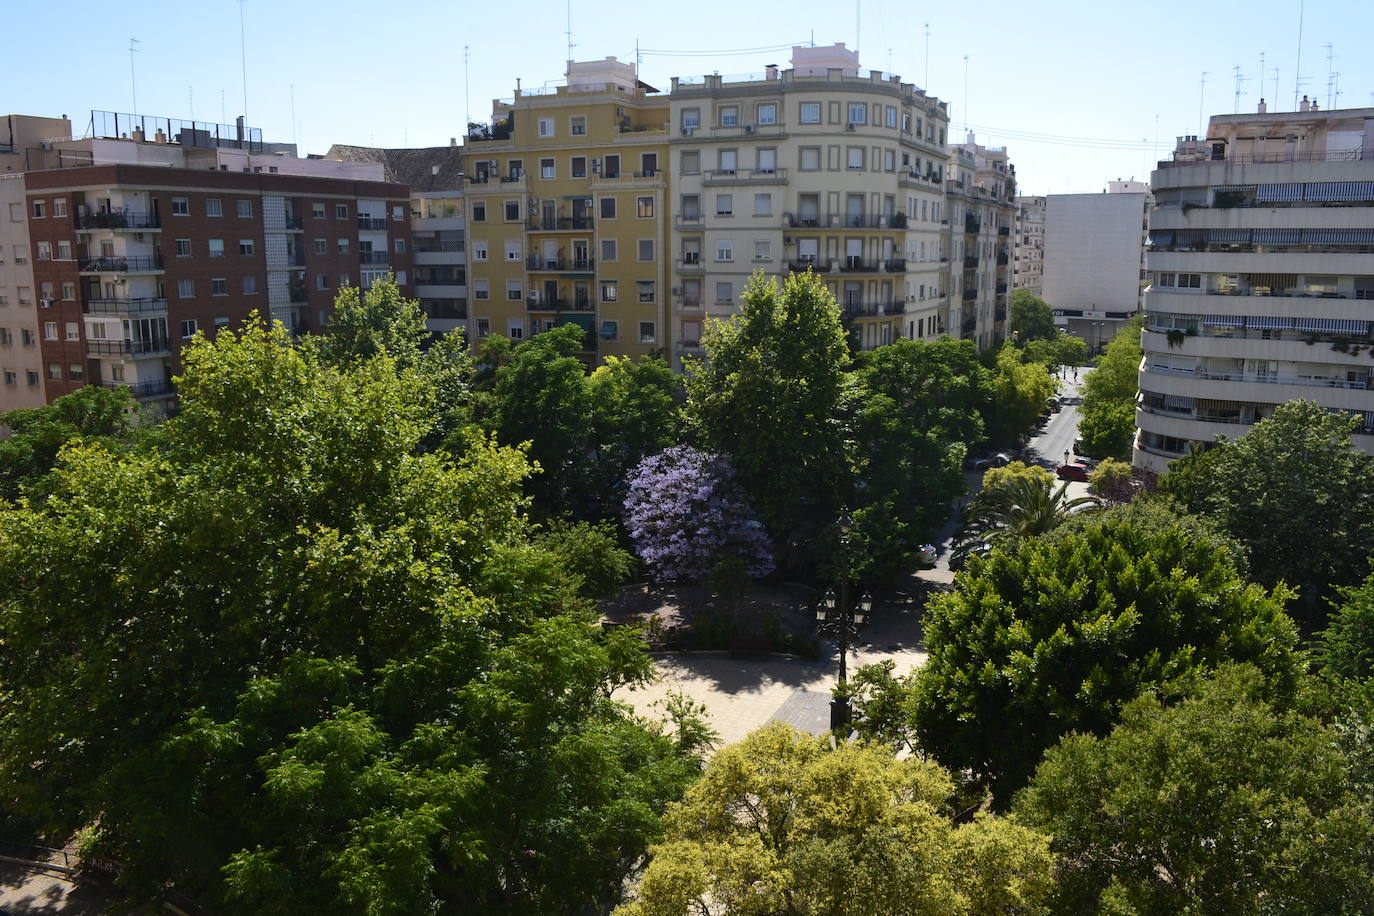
[1019,507]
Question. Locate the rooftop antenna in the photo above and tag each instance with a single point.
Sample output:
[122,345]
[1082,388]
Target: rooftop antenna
[1202,95]
[1240,79]
[858,8]
[191,103]
[243,59]
[1331,77]
[1297,69]
[133,80]
[295,133]
[1275,71]
[222,116]
[925,82]
[467,106]
[1261,76]
[569,32]
[966,93]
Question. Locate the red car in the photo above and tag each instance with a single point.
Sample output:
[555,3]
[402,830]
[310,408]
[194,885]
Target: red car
[1074,471]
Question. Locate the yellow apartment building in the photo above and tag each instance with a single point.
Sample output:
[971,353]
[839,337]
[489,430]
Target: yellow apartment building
[566,199]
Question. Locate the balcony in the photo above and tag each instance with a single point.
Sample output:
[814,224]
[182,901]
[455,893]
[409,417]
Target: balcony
[1004,230]
[558,223]
[689,303]
[295,223]
[971,295]
[150,389]
[98,348]
[135,220]
[370,257]
[372,223]
[969,325]
[689,221]
[720,177]
[999,315]
[690,262]
[558,304]
[895,265]
[125,306]
[1001,288]
[802,265]
[844,221]
[856,264]
[550,265]
[970,261]
[1001,259]
[973,225]
[120,264]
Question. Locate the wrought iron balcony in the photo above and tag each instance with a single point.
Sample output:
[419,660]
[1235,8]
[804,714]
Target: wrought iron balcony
[801,265]
[373,257]
[119,263]
[122,218]
[558,223]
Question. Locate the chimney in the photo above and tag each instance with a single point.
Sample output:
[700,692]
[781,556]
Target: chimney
[1304,105]
[772,71]
[1263,108]
[1314,104]
[452,142]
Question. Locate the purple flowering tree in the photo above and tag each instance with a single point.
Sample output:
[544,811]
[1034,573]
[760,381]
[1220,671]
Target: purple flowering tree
[685,514]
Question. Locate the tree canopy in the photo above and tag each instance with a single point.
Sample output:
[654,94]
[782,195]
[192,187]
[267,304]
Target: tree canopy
[37,434]
[1020,393]
[782,825]
[1031,317]
[1107,424]
[295,663]
[1221,804]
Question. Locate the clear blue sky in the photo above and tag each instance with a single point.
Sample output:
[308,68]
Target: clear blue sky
[391,74]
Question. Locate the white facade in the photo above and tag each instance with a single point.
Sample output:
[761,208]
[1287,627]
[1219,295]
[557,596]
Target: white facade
[1092,261]
[439,259]
[1262,279]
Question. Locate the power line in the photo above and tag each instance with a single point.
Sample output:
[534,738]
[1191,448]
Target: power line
[659,52]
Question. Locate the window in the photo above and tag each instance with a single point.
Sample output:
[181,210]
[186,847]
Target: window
[59,206]
[725,250]
[578,126]
[39,209]
[221,323]
[644,290]
[481,289]
[45,291]
[64,250]
[858,113]
[691,118]
[890,114]
[321,246]
[725,205]
[345,279]
[763,204]
[608,249]
[515,329]
[25,295]
[342,246]
[546,127]
[250,286]
[855,158]
[188,329]
[398,214]
[644,206]
[186,289]
[579,166]
[810,158]
[648,164]
[246,247]
[483,326]
[71,331]
[514,290]
[5,336]
[43,251]
[728,161]
[213,207]
[610,330]
[691,162]
[181,206]
[762,251]
[479,251]
[322,281]
[117,372]
[341,211]
[75,372]
[11,377]
[646,249]
[610,290]
[216,248]
[479,211]
[906,122]
[516,167]
[21,255]
[219,286]
[183,248]
[245,209]
[767,113]
[512,211]
[729,116]
[50,330]
[68,291]
[32,378]
[55,371]
[810,113]
[513,250]
[546,169]
[648,332]
[889,160]
[608,208]
[398,246]
[317,210]
[27,337]
[766,160]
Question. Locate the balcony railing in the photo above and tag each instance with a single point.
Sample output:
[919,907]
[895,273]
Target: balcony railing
[431,246]
[558,223]
[801,265]
[1004,230]
[139,389]
[690,303]
[126,347]
[118,219]
[1001,288]
[855,264]
[1303,380]
[970,261]
[970,294]
[295,222]
[537,263]
[559,304]
[689,220]
[125,306]
[999,315]
[119,264]
[744,176]
[972,225]
[895,265]
[969,325]
[1001,259]
[845,221]
[371,222]
[373,257]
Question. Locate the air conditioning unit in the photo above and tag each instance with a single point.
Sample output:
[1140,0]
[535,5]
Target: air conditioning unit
[596,163]
[849,127]
[491,164]
[748,128]
[46,303]
[677,291]
[688,131]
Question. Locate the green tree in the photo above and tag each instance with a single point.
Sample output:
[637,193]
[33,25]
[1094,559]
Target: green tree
[333,669]
[1031,317]
[1345,649]
[1060,350]
[1221,804]
[996,477]
[1113,480]
[368,323]
[774,396]
[635,413]
[1020,393]
[1295,491]
[1055,634]
[782,825]
[590,551]
[1016,507]
[1107,424]
[37,434]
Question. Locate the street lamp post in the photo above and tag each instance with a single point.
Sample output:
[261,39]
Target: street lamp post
[839,617]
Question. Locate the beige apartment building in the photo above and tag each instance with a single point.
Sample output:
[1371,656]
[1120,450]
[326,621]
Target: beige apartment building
[566,205]
[980,184]
[822,166]
[1262,278]
[1028,246]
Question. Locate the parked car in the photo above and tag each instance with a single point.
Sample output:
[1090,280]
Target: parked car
[925,555]
[1075,470]
[999,460]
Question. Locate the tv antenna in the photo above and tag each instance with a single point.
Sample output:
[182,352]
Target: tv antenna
[1331,76]
[133,80]
[243,59]
[1240,80]
[1297,68]
[1201,97]
[925,83]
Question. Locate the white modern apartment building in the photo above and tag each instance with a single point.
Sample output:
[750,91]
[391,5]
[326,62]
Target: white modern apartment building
[1092,260]
[1261,256]
[1028,245]
[980,184]
[822,166]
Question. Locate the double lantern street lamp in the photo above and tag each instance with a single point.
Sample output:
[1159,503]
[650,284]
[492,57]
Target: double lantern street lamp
[843,620]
